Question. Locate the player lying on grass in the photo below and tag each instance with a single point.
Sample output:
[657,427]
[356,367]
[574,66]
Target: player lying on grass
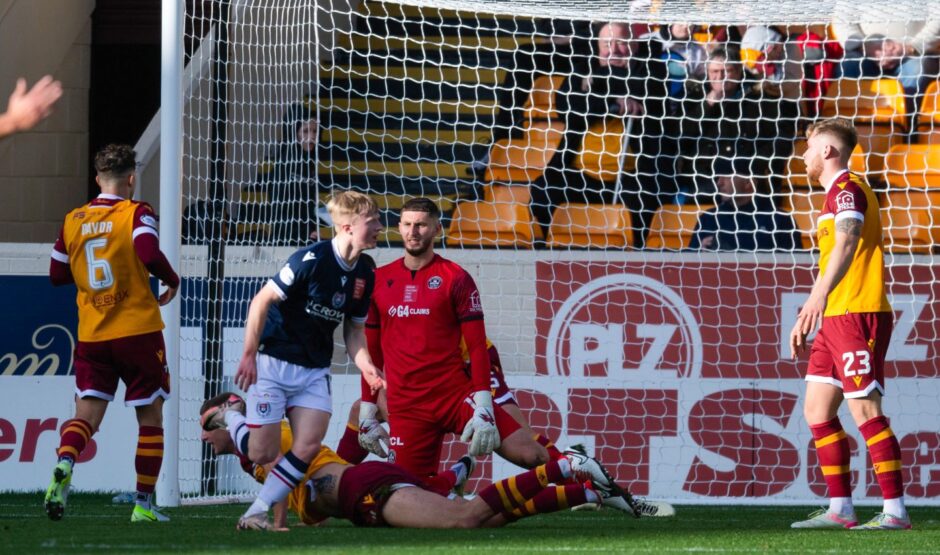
[376,437]
[377,493]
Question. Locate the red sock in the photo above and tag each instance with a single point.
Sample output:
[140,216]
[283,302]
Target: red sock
[506,495]
[553,452]
[349,449]
[442,483]
[75,436]
[549,500]
[832,450]
[149,458]
[885,456]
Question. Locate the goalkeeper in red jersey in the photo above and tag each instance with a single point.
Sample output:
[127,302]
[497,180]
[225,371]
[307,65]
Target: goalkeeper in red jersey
[423,310]
[379,493]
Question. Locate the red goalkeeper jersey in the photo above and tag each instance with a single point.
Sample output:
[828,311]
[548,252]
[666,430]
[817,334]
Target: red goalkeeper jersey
[419,316]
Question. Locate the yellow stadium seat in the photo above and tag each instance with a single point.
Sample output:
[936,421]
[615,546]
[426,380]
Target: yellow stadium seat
[523,160]
[542,102]
[601,151]
[878,109]
[493,224]
[673,225]
[928,118]
[908,230]
[804,206]
[507,193]
[915,166]
[871,100]
[911,220]
[590,225]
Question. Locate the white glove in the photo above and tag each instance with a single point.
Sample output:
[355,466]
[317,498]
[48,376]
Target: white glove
[371,431]
[481,430]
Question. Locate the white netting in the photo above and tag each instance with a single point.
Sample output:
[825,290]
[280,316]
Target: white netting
[573,160]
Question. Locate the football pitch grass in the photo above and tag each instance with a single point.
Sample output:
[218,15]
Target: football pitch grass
[93,525]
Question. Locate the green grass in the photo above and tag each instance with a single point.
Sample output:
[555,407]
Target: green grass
[93,524]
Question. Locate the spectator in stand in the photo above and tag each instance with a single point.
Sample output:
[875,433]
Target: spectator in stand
[724,120]
[906,51]
[821,60]
[288,177]
[771,61]
[743,220]
[685,58]
[625,76]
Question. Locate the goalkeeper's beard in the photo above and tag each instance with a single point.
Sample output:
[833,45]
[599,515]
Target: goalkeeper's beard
[420,249]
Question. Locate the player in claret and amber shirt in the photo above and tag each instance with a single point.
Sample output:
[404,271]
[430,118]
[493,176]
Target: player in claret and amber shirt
[108,248]
[847,359]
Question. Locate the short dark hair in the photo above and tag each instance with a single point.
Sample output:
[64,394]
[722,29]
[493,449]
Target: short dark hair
[116,160]
[840,128]
[422,204]
[730,55]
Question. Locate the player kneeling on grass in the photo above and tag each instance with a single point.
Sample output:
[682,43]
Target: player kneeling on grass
[377,493]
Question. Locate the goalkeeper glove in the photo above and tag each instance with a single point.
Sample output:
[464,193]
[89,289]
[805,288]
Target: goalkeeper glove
[371,431]
[481,430]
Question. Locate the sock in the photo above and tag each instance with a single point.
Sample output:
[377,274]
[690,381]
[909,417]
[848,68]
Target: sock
[832,450]
[147,462]
[238,429]
[553,452]
[841,505]
[285,476]
[442,483]
[349,449]
[886,458]
[75,436]
[551,499]
[507,495]
[591,496]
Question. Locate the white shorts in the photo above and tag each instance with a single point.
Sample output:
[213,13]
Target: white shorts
[282,385]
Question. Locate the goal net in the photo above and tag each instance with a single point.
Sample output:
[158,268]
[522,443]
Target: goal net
[625,182]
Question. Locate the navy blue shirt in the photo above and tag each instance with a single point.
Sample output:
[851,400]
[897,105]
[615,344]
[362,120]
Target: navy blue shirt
[318,290]
[749,227]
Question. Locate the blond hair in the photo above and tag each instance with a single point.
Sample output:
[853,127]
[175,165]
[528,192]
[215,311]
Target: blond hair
[345,206]
[841,129]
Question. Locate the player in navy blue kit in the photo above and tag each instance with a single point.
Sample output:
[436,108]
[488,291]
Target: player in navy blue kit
[285,365]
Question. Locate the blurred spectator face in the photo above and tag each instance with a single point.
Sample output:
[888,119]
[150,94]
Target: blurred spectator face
[615,45]
[737,188]
[888,54]
[724,75]
[307,134]
[680,31]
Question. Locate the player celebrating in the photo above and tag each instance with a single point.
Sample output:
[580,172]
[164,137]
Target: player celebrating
[108,248]
[424,307]
[847,358]
[285,365]
[384,494]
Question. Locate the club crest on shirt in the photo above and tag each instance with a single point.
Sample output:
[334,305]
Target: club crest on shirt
[475,304]
[359,288]
[411,294]
[435,282]
[845,201]
[338,299]
[264,409]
